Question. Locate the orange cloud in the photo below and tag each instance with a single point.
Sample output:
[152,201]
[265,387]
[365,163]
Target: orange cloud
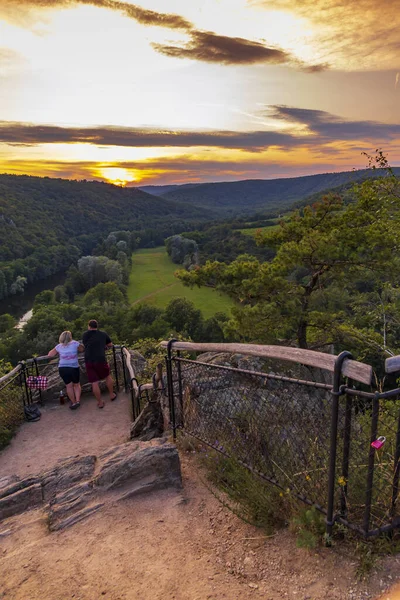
[359,34]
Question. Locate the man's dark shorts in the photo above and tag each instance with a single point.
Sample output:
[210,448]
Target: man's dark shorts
[69,374]
[97,371]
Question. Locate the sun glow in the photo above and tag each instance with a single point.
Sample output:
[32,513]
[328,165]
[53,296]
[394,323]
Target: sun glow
[117,175]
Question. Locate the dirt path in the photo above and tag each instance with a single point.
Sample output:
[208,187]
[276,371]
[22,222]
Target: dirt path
[62,432]
[172,546]
[152,294]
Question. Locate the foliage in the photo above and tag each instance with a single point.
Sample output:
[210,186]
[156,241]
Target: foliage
[332,260]
[99,269]
[225,242]
[255,501]
[309,526]
[182,250]
[47,224]
[241,197]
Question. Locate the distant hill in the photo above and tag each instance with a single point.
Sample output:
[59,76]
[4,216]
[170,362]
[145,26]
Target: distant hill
[160,190]
[45,224]
[261,195]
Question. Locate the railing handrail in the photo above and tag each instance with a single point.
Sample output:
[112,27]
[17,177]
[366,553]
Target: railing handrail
[10,374]
[33,359]
[357,371]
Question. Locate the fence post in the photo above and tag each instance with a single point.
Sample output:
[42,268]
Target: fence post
[124,368]
[37,375]
[116,368]
[171,386]
[371,463]
[336,392]
[180,389]
[25,398]
[346,451]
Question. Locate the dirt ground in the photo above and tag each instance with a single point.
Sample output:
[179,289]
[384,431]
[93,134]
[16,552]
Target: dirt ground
[62,432]
[174,546]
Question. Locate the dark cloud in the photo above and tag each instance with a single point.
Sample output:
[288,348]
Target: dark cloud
[29,134]
[328,127]
[323,127]
[209,47]
[15,8]
[205,46]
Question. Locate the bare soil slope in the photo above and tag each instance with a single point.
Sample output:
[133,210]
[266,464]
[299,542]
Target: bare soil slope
[173,546]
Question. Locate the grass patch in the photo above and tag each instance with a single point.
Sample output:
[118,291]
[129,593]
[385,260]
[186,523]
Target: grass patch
[252,231]
[152,281]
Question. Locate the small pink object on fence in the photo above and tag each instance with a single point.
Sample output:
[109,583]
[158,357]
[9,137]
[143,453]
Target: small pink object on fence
[377,444]
[36,383]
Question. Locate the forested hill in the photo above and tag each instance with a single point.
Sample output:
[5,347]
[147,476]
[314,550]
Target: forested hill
[45,224]
[161,190]
[261,195]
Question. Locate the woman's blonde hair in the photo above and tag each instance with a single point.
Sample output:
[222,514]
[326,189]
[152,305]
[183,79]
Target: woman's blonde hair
[65,338]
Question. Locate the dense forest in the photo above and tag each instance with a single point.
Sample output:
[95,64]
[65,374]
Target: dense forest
[327,274]
[47,224]
[334,278]
[249,196]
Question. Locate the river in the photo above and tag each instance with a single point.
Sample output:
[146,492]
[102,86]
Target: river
[19,305]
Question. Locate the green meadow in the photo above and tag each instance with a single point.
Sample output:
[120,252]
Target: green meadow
[252,231]
[152,281]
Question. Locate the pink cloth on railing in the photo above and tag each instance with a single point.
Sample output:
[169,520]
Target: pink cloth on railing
[37,383]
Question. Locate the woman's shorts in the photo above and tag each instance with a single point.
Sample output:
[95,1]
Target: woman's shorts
[69,374]
[97,371]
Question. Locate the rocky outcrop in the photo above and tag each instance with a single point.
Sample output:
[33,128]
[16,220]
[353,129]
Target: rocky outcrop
[79,486]
[150,422]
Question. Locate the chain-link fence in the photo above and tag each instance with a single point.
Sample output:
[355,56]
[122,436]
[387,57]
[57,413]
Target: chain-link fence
[310,438]
[12,396]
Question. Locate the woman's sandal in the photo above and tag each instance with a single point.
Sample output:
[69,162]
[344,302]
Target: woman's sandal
[114,398]
[100,405]
[74,406]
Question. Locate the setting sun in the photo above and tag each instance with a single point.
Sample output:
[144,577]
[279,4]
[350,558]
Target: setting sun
[117,175]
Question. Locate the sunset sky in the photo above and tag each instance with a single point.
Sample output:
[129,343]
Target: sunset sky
[175,91]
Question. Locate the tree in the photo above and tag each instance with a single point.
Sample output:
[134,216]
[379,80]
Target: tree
[17,287]
[184,317]
[307,293]
[104,293]
[182,250]
[99,269]
[7,322]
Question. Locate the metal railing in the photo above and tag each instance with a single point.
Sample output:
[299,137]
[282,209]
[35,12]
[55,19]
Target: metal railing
[312,436]
[15,392]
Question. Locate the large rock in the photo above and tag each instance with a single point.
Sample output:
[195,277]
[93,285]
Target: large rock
[148,466]
[74,489]
[20,501]
[65,474]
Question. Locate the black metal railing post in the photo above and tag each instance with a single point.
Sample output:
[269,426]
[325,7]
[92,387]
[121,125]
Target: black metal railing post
[37,375]
[115,368]
[25,398]
[124,367]
[346,452]
[171,386]
[336,392]
[371,463]
[180,391]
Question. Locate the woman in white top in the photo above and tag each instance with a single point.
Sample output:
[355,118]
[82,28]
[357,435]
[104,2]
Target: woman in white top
[68,367]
